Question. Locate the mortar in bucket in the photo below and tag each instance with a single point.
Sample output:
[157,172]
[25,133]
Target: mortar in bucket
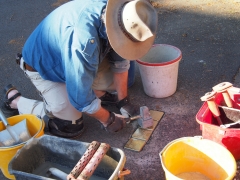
[36,129]
[33,161]
[191,158]
[159,70]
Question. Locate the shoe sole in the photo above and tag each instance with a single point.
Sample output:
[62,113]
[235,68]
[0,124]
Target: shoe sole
[108,103]
[72,137]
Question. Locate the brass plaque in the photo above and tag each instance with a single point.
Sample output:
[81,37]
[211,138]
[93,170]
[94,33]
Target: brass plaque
[135,144]
[156,115]
[155,123]
[142,134]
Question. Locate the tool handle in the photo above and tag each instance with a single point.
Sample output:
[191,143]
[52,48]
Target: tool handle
[94,162]
[132,118]
[227,99]
[3,118]
[57,172]
[124,172]
[213,108]
[84,160]
[219,120]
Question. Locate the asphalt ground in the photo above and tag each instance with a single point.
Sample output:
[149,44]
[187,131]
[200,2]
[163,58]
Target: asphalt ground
[207,32]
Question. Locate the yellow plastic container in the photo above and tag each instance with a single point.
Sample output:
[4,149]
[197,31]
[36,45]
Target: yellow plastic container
[193,157]
[36,129]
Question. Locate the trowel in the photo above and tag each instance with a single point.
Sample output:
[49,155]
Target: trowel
[15,134]
[230,124]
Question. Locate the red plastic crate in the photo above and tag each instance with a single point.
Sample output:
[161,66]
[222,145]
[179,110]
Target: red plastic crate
[228,137]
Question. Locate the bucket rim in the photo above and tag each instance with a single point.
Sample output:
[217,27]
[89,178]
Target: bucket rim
[16,146]
[199,118]
[199,138]
[234,170]
[163,63]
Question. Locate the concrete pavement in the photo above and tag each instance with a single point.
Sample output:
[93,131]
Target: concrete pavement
[208,34]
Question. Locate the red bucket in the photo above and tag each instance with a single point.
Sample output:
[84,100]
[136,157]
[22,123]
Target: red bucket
[228,137]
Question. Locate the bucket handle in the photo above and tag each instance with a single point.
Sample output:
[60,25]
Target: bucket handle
[124,172]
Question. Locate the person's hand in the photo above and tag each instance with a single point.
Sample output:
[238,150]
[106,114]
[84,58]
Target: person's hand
[115,123]
[128,109]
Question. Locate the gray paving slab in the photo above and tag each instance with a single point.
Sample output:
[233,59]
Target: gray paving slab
[208,34]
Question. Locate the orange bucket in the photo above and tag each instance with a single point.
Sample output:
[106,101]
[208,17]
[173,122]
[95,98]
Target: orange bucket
[36,129]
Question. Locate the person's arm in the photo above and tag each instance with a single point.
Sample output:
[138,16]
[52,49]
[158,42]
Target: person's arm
[120,83]
[101,115]
[79,78]
[120,68]
[112,122]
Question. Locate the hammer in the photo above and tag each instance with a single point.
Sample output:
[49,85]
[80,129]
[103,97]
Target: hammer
[144,119]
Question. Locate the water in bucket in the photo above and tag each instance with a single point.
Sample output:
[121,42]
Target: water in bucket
[194,158]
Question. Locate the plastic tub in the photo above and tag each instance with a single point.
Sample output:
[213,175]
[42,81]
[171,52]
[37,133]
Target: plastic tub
[192,158]
[38,155]
[228,137]
[36,129]
[159,70]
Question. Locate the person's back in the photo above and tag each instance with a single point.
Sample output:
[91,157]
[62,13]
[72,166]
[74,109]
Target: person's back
[61,35]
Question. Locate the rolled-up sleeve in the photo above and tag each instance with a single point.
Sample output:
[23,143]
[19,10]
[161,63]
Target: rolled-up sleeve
[81,59]
[93,107]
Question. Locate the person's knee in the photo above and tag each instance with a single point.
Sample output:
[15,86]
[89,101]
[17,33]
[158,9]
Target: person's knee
[57,108]
[63,128]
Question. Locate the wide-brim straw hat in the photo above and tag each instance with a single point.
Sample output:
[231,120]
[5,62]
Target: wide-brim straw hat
[131,27]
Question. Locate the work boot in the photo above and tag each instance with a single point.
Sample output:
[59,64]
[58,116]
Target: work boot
[6,108]
[64,128]
[109,99]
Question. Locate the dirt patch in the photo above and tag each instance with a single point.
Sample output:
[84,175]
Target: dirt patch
[59,3]
[17,42]
[222,7]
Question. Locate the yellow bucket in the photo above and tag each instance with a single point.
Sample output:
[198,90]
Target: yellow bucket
[36,129]
[191,158]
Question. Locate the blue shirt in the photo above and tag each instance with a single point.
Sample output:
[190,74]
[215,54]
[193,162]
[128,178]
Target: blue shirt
[67,47]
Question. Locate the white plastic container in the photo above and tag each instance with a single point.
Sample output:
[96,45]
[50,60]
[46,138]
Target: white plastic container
[159,70]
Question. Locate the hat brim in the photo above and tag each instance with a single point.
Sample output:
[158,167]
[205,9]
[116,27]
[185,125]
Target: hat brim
[122,45]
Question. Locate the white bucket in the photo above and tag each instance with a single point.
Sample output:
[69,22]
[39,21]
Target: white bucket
[159,70]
